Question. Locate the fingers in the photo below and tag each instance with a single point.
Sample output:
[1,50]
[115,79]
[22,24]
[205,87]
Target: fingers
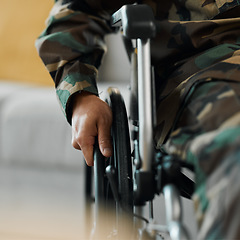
[75,144]
[105,140]
[91,117]
[88,154]
[84,142]
[86,145]
[105,145]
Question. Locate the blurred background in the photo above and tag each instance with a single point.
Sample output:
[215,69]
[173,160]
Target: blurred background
[41,175]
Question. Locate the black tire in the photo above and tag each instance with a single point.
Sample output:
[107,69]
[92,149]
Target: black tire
[122,151]
[121,199]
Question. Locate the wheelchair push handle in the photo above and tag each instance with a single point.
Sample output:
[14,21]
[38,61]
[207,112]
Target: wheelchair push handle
[137,21]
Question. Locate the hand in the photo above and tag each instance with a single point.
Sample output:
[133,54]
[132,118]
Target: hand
[91,117]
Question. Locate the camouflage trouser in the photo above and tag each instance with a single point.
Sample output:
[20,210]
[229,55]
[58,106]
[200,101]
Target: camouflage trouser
[207,134]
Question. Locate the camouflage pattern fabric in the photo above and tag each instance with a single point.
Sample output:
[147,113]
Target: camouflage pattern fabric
[72,44]
[207,134]
[196,56]
[211,50]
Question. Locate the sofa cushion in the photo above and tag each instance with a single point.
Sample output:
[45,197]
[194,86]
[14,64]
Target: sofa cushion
[33,129]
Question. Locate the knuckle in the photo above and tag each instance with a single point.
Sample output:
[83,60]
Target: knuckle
[85,141]
[105,141]
[76,145]
[77,141]
[106,123]
[80,139]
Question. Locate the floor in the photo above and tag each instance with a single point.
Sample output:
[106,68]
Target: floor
[41,204]
[49,205]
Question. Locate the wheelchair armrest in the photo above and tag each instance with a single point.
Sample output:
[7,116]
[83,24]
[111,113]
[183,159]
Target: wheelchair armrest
[137,21]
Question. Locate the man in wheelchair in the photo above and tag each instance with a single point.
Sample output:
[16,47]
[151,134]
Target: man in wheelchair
[196,55]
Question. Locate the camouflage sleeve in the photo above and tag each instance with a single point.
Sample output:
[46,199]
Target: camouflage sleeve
[72,46]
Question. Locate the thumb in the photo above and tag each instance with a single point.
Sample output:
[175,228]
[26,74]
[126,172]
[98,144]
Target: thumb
[105,141]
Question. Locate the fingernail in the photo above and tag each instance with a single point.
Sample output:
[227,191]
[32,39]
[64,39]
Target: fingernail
[107,152]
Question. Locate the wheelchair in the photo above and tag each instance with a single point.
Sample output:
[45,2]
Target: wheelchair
[137,172]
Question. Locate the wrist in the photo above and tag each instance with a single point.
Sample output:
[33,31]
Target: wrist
[75,101]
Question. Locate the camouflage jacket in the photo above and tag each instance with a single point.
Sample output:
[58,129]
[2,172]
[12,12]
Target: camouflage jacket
[72,44]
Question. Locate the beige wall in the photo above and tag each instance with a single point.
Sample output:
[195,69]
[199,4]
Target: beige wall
[21,22]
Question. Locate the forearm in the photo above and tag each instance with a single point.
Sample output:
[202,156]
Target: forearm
[71,47]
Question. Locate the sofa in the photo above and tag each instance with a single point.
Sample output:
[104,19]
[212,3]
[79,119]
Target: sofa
[41,174]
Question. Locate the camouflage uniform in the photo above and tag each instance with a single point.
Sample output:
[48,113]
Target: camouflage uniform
[196,58]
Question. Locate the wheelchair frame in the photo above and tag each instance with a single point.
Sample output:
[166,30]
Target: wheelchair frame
[153,172]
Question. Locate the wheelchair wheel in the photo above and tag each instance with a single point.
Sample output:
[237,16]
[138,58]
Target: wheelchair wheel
[122,153]
[113,177]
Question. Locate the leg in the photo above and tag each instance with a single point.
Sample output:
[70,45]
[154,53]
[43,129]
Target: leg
[207,134]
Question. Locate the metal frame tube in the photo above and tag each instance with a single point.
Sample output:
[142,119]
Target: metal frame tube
[173,207]
[145,104]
